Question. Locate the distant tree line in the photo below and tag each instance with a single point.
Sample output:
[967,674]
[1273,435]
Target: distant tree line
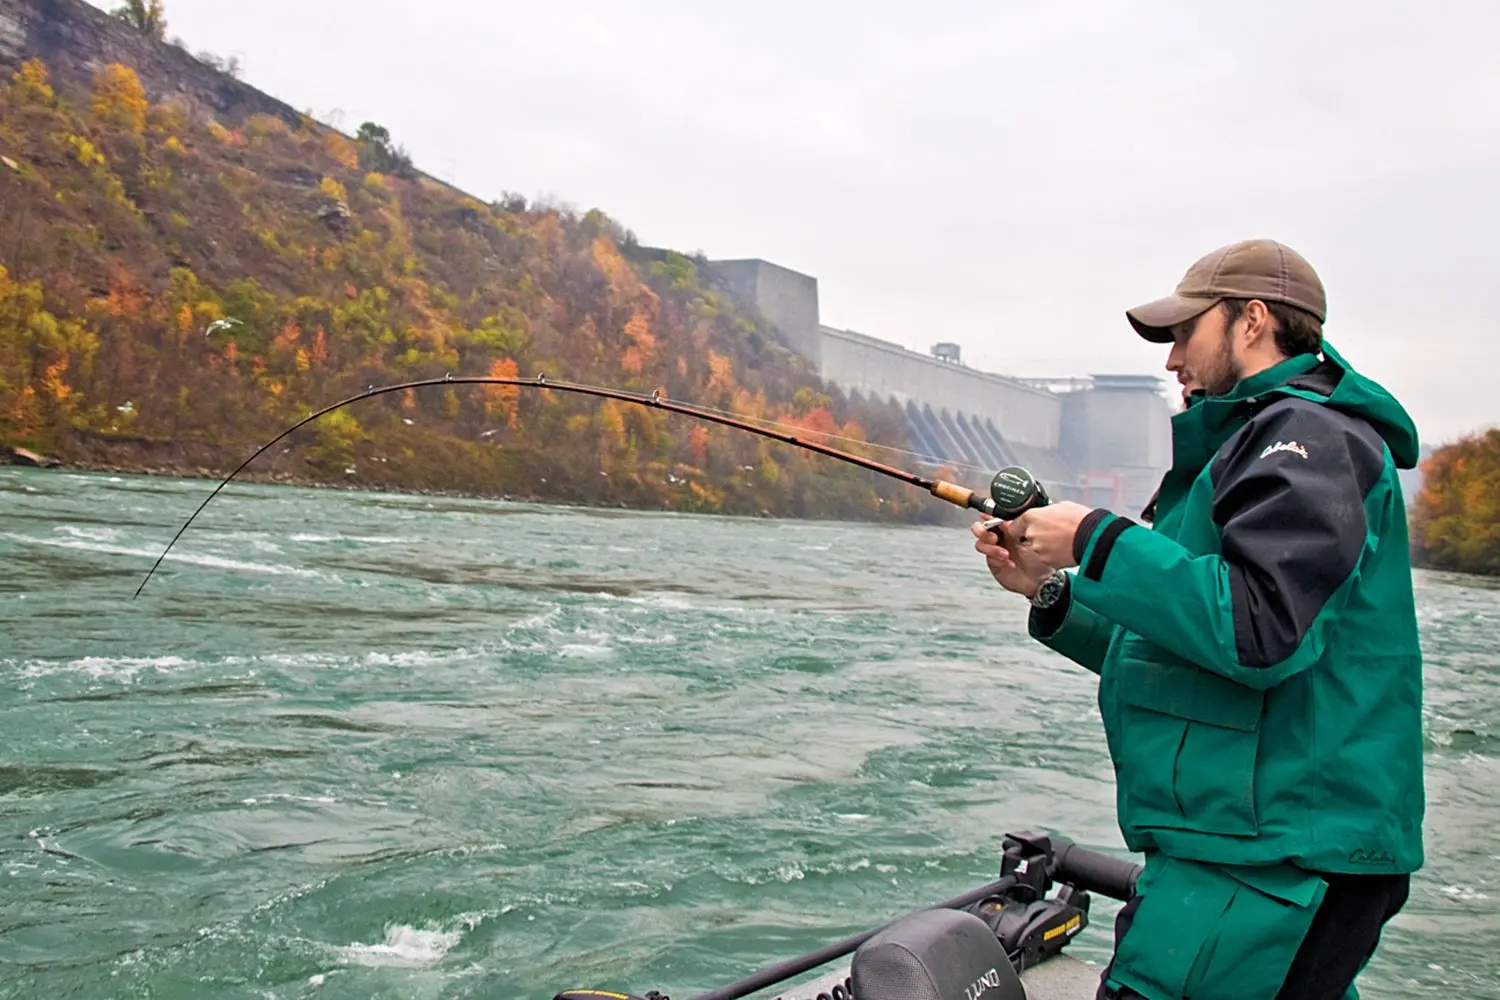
[1456,515]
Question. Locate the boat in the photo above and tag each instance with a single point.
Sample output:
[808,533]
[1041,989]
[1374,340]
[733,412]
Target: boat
[1000,941]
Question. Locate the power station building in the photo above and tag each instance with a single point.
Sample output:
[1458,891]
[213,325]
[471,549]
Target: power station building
[1101,439]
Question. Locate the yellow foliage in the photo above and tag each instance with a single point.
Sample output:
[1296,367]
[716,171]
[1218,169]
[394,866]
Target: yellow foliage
[220,133]
[174,145]
[85,152]
[30,83]
[208,313]
[612,422]
[119,97]
[333,189]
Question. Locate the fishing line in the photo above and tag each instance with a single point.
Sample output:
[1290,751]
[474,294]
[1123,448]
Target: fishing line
[919,456]
[1010,487]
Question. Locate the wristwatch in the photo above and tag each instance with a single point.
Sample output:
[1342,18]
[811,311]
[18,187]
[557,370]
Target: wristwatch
[1051,590]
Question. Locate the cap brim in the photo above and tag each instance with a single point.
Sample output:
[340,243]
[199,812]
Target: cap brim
[1154,320]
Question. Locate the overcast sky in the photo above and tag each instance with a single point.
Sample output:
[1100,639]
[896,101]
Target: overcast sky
[1008,175]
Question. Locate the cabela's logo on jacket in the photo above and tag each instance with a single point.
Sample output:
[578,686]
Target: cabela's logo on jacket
[1284,446]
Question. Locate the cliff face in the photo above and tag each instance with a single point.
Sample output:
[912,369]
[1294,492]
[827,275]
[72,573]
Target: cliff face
[188,265]
[75,39]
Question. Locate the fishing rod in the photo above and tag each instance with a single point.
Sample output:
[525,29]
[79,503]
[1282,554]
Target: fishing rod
[1012,491]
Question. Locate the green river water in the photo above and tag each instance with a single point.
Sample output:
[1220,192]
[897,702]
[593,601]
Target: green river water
[385,746]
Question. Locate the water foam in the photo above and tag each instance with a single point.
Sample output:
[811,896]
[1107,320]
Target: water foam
[214,562]
[123,668]
[403,947]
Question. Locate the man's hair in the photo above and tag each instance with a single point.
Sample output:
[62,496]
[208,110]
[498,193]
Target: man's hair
[1297,331]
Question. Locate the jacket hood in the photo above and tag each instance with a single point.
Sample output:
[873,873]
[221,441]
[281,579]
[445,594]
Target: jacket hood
[1363,397]
[1341,387]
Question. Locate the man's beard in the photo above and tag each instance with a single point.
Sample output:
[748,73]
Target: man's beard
[1224,374]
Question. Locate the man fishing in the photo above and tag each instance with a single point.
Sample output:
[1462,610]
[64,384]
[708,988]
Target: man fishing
[1260,678]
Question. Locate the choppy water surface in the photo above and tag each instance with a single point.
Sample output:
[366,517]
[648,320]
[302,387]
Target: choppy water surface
[368,745]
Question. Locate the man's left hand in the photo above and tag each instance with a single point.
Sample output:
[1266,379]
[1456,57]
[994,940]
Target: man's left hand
[1048,532]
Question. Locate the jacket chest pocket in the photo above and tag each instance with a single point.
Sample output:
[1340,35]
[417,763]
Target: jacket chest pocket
[1188,744]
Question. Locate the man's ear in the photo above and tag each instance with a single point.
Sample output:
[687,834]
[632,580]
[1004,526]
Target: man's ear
[1259,325]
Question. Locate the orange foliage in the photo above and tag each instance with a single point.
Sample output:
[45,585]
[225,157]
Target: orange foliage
[344,152]
[504,400]
[1456,514]
[642,344]
[721,374]
[125,299]
[53,382]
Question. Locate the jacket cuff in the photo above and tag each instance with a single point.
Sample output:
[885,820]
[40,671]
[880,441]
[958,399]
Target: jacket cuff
[1085,532]
[1095,539]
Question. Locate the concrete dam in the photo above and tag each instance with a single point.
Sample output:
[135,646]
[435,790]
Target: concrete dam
[1103,440]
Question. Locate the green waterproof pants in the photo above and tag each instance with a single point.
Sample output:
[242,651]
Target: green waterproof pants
[1214,932]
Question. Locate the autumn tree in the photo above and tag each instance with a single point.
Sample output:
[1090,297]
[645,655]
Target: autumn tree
[149,17]
[119,97]
[30,84]
[1456,515]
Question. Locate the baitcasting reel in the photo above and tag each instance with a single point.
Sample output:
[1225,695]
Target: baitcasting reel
[1013,492]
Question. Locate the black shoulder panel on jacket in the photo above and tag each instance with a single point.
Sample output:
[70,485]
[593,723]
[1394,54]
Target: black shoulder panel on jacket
[1289,493]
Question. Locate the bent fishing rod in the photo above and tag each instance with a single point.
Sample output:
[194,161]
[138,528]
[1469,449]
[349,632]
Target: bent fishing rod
[1012,491]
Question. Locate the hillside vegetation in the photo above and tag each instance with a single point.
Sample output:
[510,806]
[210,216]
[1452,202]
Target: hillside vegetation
[174,292]
[1456,516]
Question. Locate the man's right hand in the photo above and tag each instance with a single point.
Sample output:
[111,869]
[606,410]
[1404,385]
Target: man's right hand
[1012,565]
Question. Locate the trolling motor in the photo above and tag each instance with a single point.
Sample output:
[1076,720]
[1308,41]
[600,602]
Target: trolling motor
[972,947]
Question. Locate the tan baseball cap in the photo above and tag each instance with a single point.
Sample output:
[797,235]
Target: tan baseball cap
[1250,269]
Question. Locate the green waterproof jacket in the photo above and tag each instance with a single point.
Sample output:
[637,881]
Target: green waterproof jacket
[1257,647]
